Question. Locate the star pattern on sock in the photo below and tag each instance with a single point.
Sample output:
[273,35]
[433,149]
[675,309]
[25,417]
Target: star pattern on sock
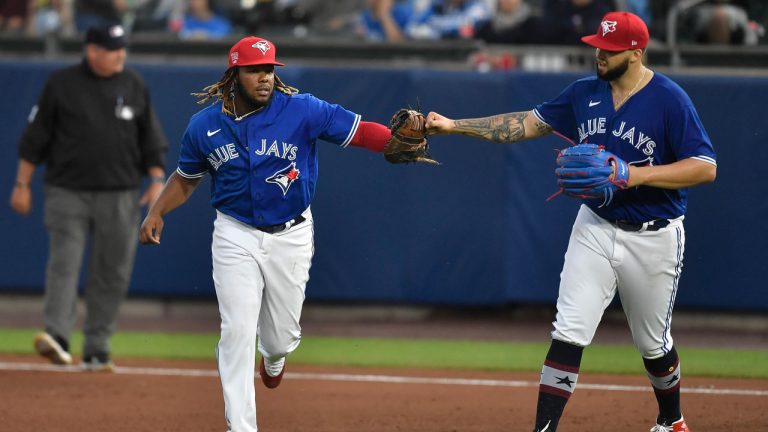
[673,379]
[564,380]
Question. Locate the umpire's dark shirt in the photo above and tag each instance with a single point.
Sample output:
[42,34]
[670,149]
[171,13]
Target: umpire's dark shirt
[94,133]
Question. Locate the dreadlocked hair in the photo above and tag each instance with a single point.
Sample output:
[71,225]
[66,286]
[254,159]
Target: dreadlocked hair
[224,90]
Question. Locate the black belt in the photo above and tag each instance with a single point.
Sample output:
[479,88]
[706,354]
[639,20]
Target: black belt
[653,225]
[273,229]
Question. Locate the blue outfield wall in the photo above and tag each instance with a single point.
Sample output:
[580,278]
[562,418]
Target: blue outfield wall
[474,231]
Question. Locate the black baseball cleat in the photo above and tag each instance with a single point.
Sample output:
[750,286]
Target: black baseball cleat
[268,380]
[53,348]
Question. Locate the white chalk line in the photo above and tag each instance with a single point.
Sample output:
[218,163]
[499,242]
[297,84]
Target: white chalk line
[393,379]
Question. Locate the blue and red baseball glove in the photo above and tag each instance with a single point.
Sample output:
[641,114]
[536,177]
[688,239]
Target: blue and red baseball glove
[588,171]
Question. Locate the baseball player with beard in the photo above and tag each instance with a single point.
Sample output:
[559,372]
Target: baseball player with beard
[257,141]
[631,241]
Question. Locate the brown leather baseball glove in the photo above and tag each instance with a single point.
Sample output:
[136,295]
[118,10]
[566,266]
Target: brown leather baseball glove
[408,143]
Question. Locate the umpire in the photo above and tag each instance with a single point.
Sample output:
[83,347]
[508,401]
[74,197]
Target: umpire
[96,132]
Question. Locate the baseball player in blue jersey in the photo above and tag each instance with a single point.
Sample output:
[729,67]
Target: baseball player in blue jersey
[632,241]
[257,141]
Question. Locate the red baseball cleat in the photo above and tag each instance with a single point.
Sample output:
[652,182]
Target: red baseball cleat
[678,426]
[274,381]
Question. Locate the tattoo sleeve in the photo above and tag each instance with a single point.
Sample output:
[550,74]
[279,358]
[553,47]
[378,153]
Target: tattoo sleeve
[542,128]
[502,128]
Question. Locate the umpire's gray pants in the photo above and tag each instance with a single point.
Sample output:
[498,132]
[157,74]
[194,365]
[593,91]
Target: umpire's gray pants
[109,219]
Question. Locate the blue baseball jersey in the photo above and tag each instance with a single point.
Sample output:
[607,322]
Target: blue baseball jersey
[658,125]
[264,167]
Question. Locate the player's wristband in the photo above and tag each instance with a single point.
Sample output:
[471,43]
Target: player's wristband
[21,185]
[157,179]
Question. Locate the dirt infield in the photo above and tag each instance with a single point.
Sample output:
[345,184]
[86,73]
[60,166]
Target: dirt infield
[188,396]
[342,399]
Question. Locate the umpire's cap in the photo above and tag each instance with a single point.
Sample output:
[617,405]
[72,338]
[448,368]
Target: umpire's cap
[619,31]
[111,37]
[253,50]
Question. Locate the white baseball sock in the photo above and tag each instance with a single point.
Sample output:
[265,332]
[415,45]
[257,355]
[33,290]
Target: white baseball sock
[274,369]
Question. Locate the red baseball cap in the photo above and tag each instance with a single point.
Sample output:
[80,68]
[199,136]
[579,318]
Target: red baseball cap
[253,50]
[619,31]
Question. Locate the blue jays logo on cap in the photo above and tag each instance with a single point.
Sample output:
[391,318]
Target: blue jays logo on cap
[608,26]
[243,53]
[263,46]
[285,177]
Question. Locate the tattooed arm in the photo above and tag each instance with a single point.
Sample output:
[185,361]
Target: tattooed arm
[501,128]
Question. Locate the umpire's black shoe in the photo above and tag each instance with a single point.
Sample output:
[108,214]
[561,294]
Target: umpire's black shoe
[53,348]
[99,362]
[268,380]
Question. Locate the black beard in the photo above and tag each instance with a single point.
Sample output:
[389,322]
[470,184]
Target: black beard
[245,97]
[615,73]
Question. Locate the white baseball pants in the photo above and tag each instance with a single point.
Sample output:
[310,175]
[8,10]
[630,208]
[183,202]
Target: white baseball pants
[260,280]
[644,267]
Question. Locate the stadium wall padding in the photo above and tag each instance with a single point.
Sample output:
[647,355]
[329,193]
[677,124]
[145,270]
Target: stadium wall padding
[474,231]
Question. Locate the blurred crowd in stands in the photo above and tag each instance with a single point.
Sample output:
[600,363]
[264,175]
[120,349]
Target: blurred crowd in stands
[554,22]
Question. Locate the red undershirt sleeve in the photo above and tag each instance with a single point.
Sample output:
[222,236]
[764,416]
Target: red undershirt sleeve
[371,135]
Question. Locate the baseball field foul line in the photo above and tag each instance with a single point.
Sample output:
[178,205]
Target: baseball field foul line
[35,367]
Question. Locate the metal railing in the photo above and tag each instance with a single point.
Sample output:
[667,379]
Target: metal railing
[453,55]
[675,59]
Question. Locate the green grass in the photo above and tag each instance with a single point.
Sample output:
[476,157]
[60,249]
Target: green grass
[421,353]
